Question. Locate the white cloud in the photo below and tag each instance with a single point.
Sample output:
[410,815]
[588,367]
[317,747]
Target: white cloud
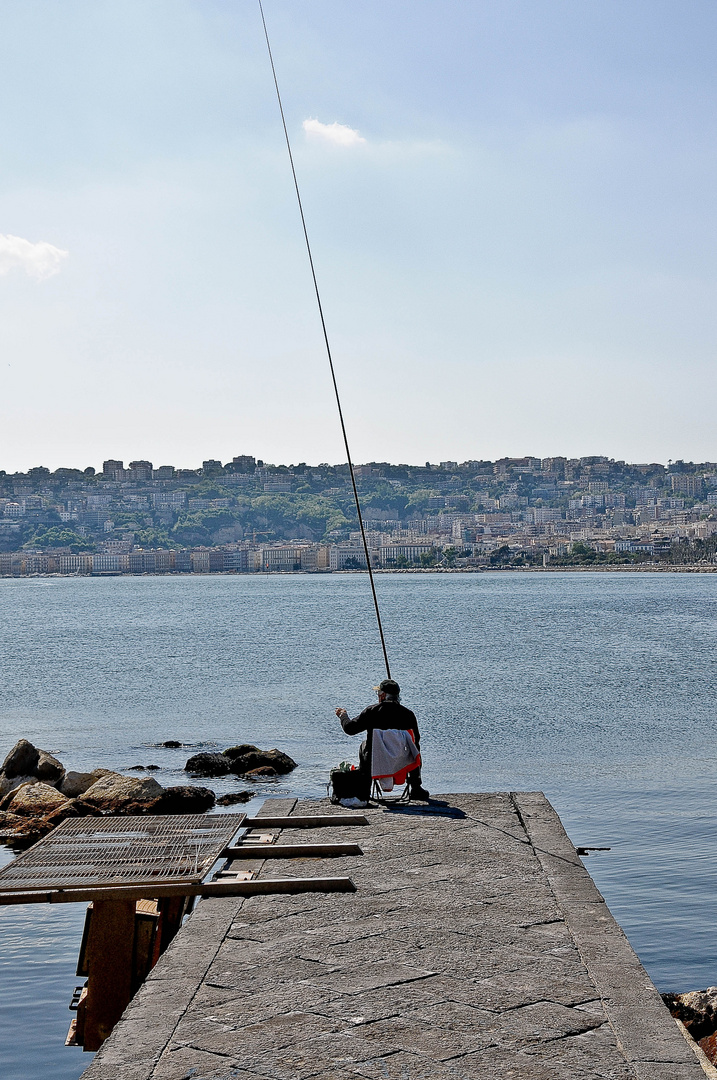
[338,134]
[40,260]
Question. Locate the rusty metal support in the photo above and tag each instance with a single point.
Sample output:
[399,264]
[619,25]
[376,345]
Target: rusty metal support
[318,821]
[206,889]
[110,948]
[290,851]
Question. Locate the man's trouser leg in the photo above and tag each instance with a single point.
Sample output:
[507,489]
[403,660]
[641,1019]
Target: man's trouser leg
[415,785]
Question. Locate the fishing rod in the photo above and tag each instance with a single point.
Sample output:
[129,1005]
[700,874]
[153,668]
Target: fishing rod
[328,346]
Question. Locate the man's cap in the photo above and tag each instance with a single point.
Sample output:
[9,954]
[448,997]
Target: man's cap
[388,686]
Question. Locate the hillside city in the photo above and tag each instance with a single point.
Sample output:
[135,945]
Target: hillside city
[247,516]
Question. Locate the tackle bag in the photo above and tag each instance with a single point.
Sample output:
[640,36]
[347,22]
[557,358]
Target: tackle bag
[348,783]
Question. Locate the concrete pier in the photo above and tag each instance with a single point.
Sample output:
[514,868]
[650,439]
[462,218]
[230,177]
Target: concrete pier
[476,945]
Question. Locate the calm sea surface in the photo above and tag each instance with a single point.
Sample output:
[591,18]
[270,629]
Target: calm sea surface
[598,689]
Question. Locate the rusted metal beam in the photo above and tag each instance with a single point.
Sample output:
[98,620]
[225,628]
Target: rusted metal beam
[109,959]
[178,888]
[290,851]
[318,821]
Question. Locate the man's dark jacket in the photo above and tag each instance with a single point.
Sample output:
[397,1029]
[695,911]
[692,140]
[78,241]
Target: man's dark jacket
[384,715]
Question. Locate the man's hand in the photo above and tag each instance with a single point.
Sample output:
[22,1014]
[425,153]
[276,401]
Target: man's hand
[341,713]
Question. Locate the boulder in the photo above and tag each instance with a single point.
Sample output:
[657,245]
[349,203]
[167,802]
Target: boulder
[114,793]
[36,800]
[208,765]
[241,750]
[77,783]
[263,770]
[186,799]
[9,823]
[83,809]
[135,809]
[233,797]
[260,759]
[697,1010]
[8,786]
[21,760]
[27,831]
[56,817]
[171,744]
[97,774]
[49,769]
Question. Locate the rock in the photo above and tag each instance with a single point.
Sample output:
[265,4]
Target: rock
[77,783]
[27,832]
[697,1010]
[208,765]
[171,744]
[12,786]
[56,817]
[9,822]
[263,770]
[709,1045]
[9,786]
[233,797]
[241,750]
[83,809]
[49,769]
[97,774]
[257,759]
[152,768]
[186,799]
[134,808]
[114,793]
[20,832]
[137,768]
[21,760]
[36,800]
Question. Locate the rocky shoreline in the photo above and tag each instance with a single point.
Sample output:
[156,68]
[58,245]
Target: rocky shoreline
[697,1011]
[37,793]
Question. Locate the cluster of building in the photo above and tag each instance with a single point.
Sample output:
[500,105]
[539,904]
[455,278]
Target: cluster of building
[230,558]
[141,519]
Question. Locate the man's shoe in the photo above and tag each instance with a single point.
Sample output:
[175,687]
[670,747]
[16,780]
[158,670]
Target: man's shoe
[419,794]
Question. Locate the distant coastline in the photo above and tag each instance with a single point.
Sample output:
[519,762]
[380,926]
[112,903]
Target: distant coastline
[601,568]
[247,516]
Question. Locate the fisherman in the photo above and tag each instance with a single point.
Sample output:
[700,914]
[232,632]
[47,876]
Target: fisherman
[386,714]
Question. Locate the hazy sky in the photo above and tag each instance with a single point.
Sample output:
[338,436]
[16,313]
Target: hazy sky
[511,202]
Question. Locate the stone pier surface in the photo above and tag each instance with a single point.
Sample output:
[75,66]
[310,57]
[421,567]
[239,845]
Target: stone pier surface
[475,946]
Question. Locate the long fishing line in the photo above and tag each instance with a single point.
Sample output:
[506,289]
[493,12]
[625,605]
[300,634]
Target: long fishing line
[328,346]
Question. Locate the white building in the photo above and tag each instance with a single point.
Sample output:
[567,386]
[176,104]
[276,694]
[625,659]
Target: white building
[348,557]
[281,558]
[390,554]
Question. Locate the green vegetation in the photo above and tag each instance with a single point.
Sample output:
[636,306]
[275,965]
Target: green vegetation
[594,497]
[585,556]
[60,537]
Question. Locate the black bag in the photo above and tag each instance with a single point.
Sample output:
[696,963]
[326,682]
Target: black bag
[349,784]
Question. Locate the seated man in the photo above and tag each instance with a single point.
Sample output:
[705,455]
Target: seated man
[386,714]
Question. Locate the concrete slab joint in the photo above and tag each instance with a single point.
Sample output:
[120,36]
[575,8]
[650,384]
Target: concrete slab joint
[476,945]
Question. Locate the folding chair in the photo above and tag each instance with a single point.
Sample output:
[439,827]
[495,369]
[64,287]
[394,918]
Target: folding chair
[394,755]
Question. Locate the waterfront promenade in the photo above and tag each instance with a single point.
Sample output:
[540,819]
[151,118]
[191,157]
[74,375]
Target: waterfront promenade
[475,946]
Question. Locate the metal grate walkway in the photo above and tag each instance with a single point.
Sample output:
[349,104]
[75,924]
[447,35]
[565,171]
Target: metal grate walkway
[104,851]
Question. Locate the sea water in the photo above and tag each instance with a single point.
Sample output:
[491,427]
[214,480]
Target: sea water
[596,688]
